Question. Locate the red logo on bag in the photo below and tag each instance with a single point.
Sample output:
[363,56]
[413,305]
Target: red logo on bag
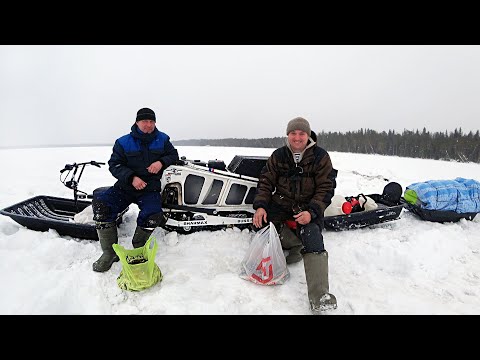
[267,274]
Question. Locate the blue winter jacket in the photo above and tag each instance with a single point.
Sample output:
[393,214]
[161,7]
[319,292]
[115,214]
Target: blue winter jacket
[459,195]
[133,153]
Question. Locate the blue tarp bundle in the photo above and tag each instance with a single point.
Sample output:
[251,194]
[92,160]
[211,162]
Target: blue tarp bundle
[459,195]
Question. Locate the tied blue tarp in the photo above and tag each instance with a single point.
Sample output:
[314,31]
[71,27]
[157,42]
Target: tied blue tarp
[459,195]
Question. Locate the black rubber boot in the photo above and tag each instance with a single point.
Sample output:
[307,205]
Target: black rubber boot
[141,236]
[107,236]
[316,273]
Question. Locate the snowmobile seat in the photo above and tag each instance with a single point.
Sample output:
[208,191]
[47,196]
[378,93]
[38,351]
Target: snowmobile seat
[217,164]
[248,165]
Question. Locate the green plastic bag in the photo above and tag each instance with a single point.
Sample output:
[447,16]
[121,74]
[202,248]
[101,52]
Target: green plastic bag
[139,270]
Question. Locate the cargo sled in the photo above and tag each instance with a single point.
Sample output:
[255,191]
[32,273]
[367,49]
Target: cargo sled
[196,195]
[440,216]
[386,211]
[444,200]
[43,212]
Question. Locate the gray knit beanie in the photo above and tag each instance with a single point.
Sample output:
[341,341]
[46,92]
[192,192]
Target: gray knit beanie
[299,123]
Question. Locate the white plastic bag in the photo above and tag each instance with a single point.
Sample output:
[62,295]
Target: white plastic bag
[264,263]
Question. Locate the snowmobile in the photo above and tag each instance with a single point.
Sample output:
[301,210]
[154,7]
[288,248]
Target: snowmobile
[196,196]
[208,196]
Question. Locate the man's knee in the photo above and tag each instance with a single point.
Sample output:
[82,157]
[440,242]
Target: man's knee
[107,204]
[101,211]
[155,220]
[312,238]
[288,237]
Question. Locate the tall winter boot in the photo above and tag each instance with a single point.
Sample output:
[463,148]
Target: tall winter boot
[107,234]
[141,236]
[316,273]
[292,243]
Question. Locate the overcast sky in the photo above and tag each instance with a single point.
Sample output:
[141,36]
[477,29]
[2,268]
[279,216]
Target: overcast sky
[89,94]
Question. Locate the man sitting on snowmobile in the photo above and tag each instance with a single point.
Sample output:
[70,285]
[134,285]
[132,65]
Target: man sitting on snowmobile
[298,183]
[137,162]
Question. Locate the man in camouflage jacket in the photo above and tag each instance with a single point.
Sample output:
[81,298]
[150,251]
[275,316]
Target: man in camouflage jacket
[298,183]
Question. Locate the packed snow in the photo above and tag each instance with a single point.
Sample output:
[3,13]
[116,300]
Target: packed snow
[406,266]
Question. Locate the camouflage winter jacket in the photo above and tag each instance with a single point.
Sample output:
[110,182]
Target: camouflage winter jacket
[309,184]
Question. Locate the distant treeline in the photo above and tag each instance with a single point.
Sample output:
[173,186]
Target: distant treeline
[416,144]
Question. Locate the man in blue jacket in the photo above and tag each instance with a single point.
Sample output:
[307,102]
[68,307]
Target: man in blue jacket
[137,162]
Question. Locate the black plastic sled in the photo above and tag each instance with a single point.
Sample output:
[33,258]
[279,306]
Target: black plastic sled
[384,213]
[440,216]
[42,213]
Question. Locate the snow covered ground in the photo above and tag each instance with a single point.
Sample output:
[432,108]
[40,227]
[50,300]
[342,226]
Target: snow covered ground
[407,266]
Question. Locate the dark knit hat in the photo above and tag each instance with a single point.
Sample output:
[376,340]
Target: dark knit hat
[145,114]
[298,123]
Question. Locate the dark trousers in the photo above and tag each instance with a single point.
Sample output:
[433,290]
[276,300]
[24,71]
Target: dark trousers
[109,203]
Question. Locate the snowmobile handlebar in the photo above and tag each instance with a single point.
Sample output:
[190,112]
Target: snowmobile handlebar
[76,165]
[74,179]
